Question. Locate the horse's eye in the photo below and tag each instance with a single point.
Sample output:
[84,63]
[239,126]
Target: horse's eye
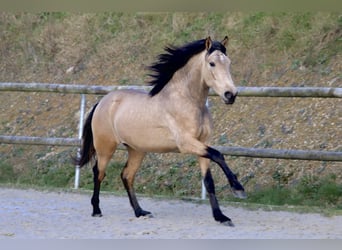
[212,64]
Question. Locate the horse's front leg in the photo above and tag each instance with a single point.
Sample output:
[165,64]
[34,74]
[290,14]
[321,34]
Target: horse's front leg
[237,188]
[187,144]
[210,186]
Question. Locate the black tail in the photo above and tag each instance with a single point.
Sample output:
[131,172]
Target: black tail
[87,149]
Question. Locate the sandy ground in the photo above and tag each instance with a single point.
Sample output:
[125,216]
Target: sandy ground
[31,214]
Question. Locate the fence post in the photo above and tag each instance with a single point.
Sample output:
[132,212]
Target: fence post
[80,131]
[204,190]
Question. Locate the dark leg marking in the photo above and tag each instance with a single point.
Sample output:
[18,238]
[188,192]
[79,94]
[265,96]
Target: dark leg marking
[217,213]
[236,186]
[138,211]
[95,200]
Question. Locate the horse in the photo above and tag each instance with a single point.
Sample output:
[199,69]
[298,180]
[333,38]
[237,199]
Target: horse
[171,117]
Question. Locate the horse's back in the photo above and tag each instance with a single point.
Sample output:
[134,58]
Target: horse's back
[113,105]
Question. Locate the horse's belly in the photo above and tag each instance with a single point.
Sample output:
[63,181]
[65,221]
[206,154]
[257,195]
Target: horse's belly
[144,133]
[140,123]
[150,140]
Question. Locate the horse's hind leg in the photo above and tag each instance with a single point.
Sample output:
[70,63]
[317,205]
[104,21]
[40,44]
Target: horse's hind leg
[99,174]
[127,176]
[95,200]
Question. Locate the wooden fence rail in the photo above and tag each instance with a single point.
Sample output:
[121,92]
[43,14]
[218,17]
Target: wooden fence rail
[317,92]
[312,155]
[32,140]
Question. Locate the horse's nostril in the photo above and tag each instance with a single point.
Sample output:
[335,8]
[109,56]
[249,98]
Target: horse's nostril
[229,97]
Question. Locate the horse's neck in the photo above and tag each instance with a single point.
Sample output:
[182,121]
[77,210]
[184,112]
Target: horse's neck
[188,82]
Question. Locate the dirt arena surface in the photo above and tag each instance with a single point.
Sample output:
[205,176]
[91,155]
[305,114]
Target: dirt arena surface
[32,214]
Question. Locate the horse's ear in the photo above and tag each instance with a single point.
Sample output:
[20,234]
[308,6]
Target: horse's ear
[208,43]
[225,41]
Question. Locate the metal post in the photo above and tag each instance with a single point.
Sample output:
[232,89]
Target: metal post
[80,131]
[204,191]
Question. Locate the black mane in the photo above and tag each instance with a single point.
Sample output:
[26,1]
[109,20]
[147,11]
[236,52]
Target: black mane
[175,58]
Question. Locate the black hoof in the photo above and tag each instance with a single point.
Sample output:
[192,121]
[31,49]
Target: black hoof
[143,213]
[228,223]
[224,220]
[241,194]
[96,215]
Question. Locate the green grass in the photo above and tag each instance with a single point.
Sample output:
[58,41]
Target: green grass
[311,191]
[178,182]
[7,174]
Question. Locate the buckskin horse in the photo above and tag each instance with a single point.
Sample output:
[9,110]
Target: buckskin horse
[172,117]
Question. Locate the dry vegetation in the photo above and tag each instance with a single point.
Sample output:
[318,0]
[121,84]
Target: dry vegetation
[267,49]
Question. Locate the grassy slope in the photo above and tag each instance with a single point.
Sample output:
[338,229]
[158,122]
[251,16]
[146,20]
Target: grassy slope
[267,49]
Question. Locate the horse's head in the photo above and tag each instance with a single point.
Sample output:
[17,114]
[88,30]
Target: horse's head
[217,70]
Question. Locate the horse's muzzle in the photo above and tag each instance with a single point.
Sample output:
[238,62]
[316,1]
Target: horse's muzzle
[229,97]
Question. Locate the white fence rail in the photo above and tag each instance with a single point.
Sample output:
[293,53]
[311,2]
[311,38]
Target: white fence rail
[318,92]
[312,155]
[312,92]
